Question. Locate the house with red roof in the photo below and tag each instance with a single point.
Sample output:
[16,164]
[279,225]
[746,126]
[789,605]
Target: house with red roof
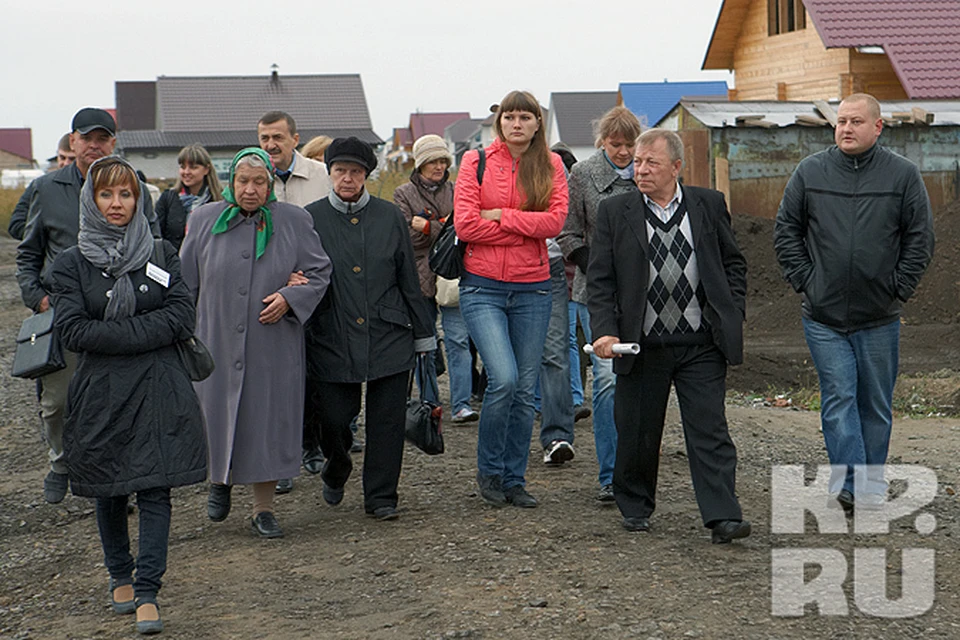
[829,49]
[423,123]
[16,149]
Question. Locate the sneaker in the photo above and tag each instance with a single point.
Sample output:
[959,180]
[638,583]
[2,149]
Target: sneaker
[606,494]
[518,497]
[580,412]
[490,490]
[558,452]
[55,487]
[465,415]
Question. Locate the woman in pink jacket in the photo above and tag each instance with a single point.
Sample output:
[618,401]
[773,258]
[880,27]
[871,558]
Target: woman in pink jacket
[505,287]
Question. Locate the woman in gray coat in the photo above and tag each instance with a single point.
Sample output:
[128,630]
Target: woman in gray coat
[238,256]
[607,173]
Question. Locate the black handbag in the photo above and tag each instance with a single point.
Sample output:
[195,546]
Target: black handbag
[424,427]
[194,355]
[446,254]
[196,358]
[38,347]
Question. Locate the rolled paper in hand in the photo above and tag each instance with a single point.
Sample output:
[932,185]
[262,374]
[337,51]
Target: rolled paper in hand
[620,348]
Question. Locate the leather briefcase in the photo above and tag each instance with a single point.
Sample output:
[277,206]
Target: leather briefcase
[38,348]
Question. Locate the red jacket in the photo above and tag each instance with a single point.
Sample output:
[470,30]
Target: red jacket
[512,249]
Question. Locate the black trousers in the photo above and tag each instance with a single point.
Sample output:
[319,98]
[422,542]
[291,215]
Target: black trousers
[386,404]
[640,405]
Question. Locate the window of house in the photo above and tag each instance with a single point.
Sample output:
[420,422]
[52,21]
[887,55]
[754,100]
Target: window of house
[785,16]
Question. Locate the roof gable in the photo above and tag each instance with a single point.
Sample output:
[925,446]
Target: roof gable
[19,142]
[234,103]
[650,101]
[726,32]
[462,130]
[422,124]
[574,113]
[920,37]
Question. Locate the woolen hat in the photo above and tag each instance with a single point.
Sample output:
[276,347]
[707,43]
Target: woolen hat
[429,148]
[351,150]
[89,118]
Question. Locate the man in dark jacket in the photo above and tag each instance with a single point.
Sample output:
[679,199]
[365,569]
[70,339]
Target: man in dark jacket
[53,222]
[665,271]
[854,234]
[367,328]
[18,221]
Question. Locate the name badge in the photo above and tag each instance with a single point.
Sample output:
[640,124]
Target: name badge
[157,274]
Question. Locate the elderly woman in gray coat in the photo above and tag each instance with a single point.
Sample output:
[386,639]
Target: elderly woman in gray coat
[607,173]
[238,256]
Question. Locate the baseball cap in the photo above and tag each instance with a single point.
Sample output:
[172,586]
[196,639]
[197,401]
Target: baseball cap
[90,118]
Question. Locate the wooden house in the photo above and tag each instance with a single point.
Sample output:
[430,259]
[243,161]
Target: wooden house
[829,49]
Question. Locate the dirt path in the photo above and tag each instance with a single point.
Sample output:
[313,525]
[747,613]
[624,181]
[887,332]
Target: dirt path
[453,568]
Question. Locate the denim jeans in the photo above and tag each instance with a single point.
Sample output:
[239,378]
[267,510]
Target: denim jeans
[456,341]
[556,414]
[604,386]
[429,389]
[509,329]
[576,384]
[857,373]
[153,506]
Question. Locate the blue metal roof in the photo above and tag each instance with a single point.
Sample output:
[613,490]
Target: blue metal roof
[650,101]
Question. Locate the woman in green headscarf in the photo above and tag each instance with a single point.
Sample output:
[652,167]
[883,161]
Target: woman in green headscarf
[238,256]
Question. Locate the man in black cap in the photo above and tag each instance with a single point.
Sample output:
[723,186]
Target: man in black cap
[53,222]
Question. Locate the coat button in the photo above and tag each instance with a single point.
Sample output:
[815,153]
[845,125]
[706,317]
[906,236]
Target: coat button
[245,254]
[242,291]
[144,288]
[356,269]
[238,365]
[354,220]
[105,274]
[110,293]
[359,320]
[240,328]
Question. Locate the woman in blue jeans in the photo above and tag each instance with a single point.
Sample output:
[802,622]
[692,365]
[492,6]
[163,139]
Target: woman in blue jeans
[505,218]
[133,422]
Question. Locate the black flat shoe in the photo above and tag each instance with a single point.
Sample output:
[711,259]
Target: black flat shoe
[385,513]
[518,497]
[332,496]
[265,525]
[284,486]
[313,461]
[726,531]
[636,524]
[218,502]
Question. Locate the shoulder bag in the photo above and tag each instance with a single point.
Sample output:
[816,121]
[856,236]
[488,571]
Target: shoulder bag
[446,254]
[194,355]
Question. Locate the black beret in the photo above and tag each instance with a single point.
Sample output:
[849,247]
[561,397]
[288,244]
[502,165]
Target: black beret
[351,150]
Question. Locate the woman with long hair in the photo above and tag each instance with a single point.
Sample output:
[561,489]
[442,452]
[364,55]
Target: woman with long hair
[133,421]
[196,185]
[505,219]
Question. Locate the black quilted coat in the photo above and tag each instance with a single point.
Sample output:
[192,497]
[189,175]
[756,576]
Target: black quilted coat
[133,420]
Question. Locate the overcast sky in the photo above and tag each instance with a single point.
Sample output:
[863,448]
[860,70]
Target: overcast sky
[57,56]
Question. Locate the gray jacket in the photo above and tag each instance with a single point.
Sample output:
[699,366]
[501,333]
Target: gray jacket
[853,236]
[591,181]
[52,226]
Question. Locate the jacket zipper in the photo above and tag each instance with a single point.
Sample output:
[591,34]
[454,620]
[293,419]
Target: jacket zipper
[853,227]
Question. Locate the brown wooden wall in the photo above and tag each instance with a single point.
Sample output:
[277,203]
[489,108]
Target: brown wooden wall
[12,161]
[801,67]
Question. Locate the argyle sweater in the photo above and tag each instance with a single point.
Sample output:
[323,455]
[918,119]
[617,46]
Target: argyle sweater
[675,296]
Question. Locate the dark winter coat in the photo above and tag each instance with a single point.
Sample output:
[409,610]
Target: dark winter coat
[365,326]
[172,217]
[853,236]
[133,421]
[415,198]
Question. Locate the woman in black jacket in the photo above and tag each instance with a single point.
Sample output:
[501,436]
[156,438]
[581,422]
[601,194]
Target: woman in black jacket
[367,328]
[196,184]
[133,422]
